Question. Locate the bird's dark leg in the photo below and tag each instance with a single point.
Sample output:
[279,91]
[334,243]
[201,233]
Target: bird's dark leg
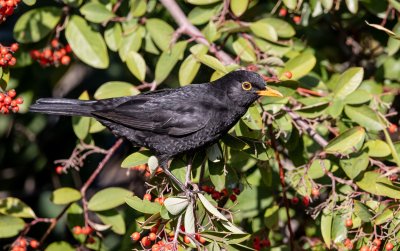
[164,165]
[189,169]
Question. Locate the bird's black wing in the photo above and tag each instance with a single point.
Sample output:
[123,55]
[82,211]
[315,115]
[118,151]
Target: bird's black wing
[174,113]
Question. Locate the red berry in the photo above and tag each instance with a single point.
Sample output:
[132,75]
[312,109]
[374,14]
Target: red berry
[152,236]
[7,100]
[265,243]
[68,48]
[201,239]
[12,93]
[224,192]
[55,43]
[59,170]
[3,62]
[145,241]
[147,196]
[34,244]
[19,100]
[186,239]
[282,12]
[22,242]
[297,19]
[364,248]
[154,229]
[15,109]
[295,200]
[77,230]
[288,74]
[12,61]
[315,192]
[306,201]
[349,223]
[233,197]
[3,51]
[14,47]
[236,190]
[377,242]
[87,230]
[135,236]
[2,96]
[47,53]
[155,247]
[65,60]
[8,56]
[216,196]
[35,54]
[392,128]
[389,246]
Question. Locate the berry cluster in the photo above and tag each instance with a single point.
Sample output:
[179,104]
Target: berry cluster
[305,200]
[21,244]
[222,194]
[159,200]
[374,246]
[7,8]
[82,230]
[144,169]
[259,243]
[154,240]
[6,55]
[283,12]
[8,103]
[55,55]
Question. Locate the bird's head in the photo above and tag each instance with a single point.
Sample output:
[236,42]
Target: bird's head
[245,87]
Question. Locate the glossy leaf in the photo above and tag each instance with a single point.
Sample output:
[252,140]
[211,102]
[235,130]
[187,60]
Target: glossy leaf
[96,12]
[113,36]
[264,30]
[59,245]
[115,89]
[374,183]
[210,208]
[348,82]
[87,44]
[362,211]
[347,142]
[377,148]
[10,226]
[136,65]
[114,219]
[168,60]
[108,198]
[15,207]
[189,221]
[238,7]
[211,62]
[357,97]
[384,217]
[364,116]
[202,2]
[136,159]
[202,14]
[161,32]
[188,70]
[300,65]
[131,42]
[35,24]
[354,165]
[290,4]
[138,7]
[65,195]
[326,226]
[176,205]
[244,50]
[282,28]
[393,45]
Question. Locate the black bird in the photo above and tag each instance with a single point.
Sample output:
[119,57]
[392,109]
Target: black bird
[171,121]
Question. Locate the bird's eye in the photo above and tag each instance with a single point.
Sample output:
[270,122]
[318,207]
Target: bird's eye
[246,86]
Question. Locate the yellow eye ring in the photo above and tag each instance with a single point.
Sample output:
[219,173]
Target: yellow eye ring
[246,86]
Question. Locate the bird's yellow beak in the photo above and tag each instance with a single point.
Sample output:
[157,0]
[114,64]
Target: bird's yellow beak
[269,92]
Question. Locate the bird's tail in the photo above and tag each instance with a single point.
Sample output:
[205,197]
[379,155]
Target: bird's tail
[60,106]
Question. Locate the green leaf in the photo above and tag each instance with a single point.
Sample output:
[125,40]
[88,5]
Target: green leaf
[355,165]
[271,217]
[161,32]
[244,50]
[393,44]
[202,2]
[189,221]
[364,116]
[252,118]
[362,211]
[300,65]
[336,108]
[29,2]
[10,226]
[375,183]
[352,5]
[348,82]
[339,229]
[176,205]
[347,142]
[290,4]
[357,97]
[136,65]
[168,60]
[188,70]
[96,12]
[138,7]
[239,7]
[326,226]
[35,24]
[81,124]
[87,44]
[136,159]
[131,42]
[15,207]
[65,195]
[211,62]
[59,245]
[114,219]
[143,206]
[377,148]
[210,208]
[4,77]
[115,89]
[264,30]
[73,3]
[113,36]
[281,27]
[203,14]
[108,198]
[384,217]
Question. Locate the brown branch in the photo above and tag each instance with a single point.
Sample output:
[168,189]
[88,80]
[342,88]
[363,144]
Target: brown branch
[92,177]
[189,29]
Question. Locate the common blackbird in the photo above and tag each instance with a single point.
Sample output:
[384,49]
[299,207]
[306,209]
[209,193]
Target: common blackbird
[171,121]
